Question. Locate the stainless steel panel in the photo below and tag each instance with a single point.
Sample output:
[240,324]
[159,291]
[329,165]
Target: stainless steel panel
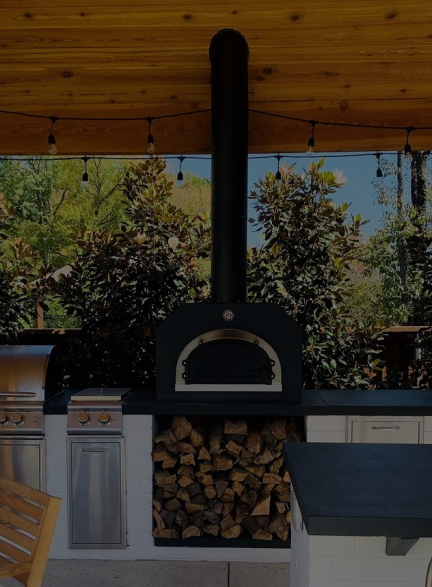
[386,430]
[97,504]
[23,461]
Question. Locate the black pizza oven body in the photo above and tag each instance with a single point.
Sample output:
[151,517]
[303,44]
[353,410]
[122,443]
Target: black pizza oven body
[206,352]
[229,351]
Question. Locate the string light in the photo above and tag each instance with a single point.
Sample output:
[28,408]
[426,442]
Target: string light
[407,148]
[150,119]
[278,175]
[150,139]
[180,173]
[85,177]
[51,138]
[379,173]
[311,141]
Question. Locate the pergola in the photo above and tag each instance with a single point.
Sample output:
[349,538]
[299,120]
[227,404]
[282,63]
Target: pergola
[98,64]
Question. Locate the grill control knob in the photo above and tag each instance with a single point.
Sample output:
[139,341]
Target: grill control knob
[16,418]
[83,418]
[3,418]
[104,418]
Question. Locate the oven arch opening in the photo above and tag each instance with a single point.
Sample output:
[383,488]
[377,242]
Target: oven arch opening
[228,360]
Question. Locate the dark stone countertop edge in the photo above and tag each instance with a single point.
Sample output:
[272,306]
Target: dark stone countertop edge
[314,402]
[331,482]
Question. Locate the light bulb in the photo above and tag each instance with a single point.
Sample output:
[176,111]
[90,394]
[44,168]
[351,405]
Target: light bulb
[52,144]
[180,178]
[151,145]
[311,145]
[85,181]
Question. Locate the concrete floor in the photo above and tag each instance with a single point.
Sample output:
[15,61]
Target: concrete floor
[97,573]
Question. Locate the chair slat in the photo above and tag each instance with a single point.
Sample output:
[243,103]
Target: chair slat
[17,503]
[17,520]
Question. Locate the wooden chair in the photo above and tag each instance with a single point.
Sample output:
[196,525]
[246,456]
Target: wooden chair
[27,522]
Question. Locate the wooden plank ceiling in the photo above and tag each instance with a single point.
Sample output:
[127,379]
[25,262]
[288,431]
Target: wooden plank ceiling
[366,62]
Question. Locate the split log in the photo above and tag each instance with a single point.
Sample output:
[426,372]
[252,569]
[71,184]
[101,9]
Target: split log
[235,427]
[262,507]
[191,531]
[254,442]
[221,463]
[181,427]
[169,439]
[203,454]
[216,437]
[212,529]
[233,532]
[197,437]
[165,533]
[262,535]
[168,517]
[233,448]
[210,492]
[227,522]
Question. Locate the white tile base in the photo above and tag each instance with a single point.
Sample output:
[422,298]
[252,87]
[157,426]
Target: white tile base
[138,432]
[354,561]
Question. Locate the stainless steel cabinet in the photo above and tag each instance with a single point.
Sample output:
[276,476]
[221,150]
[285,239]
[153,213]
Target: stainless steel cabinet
[97,504]
[385,429]
[23,460]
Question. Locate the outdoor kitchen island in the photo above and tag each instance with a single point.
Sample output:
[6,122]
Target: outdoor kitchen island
[362,515]
[325,414]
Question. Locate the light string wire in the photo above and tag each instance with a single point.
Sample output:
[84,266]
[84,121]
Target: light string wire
[203,111]
[149,119]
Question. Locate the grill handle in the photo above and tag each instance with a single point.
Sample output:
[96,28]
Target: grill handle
[105,449]
[17,393]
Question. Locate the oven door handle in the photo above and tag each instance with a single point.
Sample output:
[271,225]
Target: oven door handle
[104,449]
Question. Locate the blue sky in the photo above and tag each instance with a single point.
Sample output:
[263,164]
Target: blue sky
[359,168]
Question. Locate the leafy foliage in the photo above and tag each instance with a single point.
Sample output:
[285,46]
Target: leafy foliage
[303,265]
[15,268]
[49,202]
[124,283]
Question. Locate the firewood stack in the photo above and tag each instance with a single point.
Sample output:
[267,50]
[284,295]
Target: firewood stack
[223,477]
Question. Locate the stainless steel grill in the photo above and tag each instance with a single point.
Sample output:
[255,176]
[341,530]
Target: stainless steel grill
[29,376]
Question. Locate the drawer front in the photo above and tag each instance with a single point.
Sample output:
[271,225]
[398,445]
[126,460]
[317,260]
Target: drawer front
[397,431]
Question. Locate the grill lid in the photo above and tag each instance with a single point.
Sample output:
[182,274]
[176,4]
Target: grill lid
[28,373]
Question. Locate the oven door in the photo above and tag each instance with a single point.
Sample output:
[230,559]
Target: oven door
[23,460]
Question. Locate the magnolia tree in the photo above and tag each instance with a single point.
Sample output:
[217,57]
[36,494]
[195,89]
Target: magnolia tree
[303,264]
[15,271]
[124,283]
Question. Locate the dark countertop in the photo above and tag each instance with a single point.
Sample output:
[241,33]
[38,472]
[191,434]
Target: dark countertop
[314,402]
[363,489]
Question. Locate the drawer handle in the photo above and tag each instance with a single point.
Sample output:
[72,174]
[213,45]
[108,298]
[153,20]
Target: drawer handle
[385,427]
[105,449]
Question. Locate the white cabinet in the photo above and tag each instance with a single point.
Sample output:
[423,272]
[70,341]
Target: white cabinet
[385,429]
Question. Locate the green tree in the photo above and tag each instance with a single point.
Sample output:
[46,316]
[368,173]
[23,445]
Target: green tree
[400,250]
[124,283]
[309,246]
[16,259]
[50,202]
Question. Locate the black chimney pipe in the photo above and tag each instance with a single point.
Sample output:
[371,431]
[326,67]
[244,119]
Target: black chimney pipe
[229,55]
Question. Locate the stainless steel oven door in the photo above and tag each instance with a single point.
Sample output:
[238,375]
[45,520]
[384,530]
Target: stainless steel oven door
[97,503]
[23,460]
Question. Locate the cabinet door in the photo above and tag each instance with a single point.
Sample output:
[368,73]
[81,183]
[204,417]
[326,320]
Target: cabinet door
[23,461]
[96,496]
[383,430]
